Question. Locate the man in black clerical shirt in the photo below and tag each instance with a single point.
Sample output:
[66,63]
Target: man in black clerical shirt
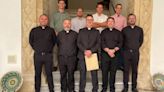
[67,53]
[111,42]
[133,39]
[42,39]
[88,42]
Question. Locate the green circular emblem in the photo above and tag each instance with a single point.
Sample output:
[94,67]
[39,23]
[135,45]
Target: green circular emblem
[158,81]
[11,81]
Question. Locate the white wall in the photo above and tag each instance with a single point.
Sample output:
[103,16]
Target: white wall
[10,35]
[157,40]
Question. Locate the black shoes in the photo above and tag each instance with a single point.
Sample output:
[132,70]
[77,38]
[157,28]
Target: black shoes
[103,90]
[71,91]
[54,69]
[67,91]
[112,90]
[125,90]
[134,90]
[106,91]
[121,68]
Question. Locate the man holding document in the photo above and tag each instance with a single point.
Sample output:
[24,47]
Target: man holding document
[111,42]
[88,43]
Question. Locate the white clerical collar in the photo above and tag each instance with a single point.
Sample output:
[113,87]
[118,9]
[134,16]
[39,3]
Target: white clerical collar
[132,26]
[67,30]
[110,29]
[88,28]
[43,27]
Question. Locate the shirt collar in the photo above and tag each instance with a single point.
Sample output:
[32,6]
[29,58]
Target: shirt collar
[132,27]
[80,18]
[67,31]
[110,29]
[117,15]
[61,12]
[89,28]
[100,14]
[43,27]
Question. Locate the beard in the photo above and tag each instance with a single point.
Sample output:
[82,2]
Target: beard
[131,23]
[67,29]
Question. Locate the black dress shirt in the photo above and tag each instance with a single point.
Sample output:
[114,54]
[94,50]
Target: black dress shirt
[132,37]
[88,39]
[42,39]
[111,38]
[67,43]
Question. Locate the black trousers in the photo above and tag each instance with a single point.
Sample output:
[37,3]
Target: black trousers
[40,60]
[120,59]
[82,68]
[131,59]
[109,64]
[67,68]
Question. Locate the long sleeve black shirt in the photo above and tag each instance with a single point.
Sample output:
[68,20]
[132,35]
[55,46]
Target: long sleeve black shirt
[132,37]
[111,38]
[42,40]
[88,40]
[67,43]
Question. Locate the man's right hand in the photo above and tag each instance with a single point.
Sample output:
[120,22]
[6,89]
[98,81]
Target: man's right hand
[87,53]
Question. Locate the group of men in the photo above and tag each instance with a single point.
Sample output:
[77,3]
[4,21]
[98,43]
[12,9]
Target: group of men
[80,37]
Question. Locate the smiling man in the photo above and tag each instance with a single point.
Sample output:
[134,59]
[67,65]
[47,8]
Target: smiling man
[67,53]
[88,42]
[111,43]
[42,39]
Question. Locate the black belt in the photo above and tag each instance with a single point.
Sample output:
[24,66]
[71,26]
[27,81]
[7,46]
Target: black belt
[42,53]
[132,50]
